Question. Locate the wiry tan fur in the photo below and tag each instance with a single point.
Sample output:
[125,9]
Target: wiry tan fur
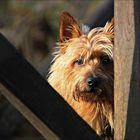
[68,79]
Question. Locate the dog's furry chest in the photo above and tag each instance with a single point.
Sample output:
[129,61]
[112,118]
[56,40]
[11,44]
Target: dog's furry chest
[93,113]
[96,116]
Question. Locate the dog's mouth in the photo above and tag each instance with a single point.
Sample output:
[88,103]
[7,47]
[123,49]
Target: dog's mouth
[95,91]
[89,94]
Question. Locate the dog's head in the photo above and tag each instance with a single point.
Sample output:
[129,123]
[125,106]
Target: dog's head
[85,60]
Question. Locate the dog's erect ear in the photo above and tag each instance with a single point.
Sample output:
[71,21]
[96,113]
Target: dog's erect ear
[109,27]
[68,27]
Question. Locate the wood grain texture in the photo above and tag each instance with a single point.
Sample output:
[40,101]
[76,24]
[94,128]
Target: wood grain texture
[127,69]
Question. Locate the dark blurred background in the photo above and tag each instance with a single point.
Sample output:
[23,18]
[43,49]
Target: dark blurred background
[33,27]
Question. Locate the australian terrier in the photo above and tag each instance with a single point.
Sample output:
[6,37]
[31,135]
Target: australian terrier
[83,72]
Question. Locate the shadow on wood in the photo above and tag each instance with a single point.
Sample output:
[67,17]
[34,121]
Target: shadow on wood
[133,112]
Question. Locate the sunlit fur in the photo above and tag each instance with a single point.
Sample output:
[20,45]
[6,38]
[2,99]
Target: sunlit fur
[69,79]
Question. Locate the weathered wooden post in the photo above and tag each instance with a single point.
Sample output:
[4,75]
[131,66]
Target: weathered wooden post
[127,69]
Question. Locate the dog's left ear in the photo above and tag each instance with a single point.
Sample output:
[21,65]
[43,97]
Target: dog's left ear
[69,28]
[109,27]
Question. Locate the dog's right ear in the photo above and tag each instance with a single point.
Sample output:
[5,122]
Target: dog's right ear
[68,27]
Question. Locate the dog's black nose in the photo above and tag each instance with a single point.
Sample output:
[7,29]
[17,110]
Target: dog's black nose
[92,82]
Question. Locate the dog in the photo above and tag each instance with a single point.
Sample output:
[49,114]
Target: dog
[82,72]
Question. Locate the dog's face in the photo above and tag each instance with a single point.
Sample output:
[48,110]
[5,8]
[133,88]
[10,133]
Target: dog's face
[86,59]
[89,67]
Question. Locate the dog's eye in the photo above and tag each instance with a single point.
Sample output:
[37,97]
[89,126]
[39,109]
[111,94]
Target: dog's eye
[79,62]
[106,60]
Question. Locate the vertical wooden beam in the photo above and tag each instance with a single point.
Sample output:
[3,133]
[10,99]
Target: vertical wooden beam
[127,69]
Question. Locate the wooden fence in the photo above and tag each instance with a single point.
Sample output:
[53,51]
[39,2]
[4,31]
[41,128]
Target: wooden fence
[127,69]
[50,114]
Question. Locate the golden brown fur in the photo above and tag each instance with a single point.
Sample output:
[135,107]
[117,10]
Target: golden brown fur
[80,55]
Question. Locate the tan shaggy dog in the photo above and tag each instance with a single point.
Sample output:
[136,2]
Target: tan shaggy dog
[82,72]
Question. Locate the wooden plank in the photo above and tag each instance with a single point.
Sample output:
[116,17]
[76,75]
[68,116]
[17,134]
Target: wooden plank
[34,94]
[127,69]
[29,115]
